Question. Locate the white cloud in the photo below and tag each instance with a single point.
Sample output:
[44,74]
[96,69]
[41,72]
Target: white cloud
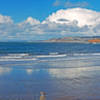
[5,19]
[65,22]
[31,21]
[69,4]
[81,16]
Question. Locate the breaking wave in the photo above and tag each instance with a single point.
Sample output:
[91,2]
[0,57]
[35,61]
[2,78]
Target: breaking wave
[54,56]
[50,56]
[17,57]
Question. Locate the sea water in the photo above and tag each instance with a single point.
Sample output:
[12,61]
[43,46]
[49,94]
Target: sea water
[62,70]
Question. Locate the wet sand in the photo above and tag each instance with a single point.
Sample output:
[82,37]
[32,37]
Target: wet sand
[76,78]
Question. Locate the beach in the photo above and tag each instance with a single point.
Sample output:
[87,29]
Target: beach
[63,76]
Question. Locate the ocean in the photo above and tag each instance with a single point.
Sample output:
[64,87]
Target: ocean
[62,70]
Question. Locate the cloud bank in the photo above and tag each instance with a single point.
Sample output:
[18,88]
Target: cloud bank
[64,22]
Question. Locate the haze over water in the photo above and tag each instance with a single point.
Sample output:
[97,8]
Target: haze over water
[59,69]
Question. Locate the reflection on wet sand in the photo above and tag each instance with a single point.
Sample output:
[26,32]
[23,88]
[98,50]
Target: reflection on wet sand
[5,70]
[68,69]
[61,80]
[69,73]
[71,64]
[30,71]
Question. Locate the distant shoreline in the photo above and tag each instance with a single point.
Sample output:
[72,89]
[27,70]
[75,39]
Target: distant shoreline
[62,40]
[75,40]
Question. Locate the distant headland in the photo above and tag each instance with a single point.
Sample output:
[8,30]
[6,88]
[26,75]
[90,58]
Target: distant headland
[95,39]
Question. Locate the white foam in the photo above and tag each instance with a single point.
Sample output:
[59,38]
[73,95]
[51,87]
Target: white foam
[86,54]
[55,56]
[97,54]
[14,56]
[47,56]
[18,59]
[18,55]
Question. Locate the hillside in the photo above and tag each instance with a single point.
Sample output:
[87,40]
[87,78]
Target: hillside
[76,39]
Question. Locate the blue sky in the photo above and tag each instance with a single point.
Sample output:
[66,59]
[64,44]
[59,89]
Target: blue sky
[29,20]
[40,9]
[21,9]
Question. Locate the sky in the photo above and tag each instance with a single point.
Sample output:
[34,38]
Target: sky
[30,20]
